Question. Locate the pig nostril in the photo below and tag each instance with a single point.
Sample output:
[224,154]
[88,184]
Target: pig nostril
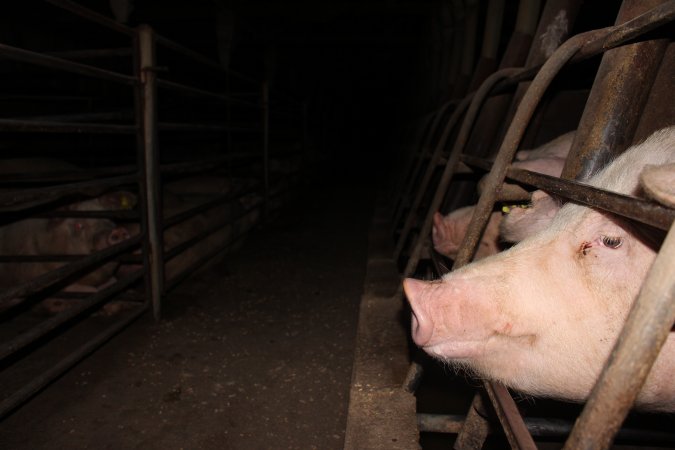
[421,329]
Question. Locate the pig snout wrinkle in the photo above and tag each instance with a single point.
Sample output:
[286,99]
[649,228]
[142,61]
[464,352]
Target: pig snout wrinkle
[421,325]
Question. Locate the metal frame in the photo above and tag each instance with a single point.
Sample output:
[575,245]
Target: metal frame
[602,411]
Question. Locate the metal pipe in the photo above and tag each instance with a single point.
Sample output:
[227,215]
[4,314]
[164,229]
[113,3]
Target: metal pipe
[266,147]
[51,62]
[92,53]
[61,273]
[202,92]
[23,340]
[34,126]
[647,327]
[97,116]
[634,208]
[146,51]
[11,403]
[436,157]
[92,16]
[164,126]
[17,200]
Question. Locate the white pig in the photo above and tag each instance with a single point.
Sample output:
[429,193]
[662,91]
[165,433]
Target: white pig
[543,316]
[448,231]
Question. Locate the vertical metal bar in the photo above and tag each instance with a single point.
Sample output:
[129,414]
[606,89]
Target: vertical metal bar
[615,104]
[146,45]
[646,330]
[266,144]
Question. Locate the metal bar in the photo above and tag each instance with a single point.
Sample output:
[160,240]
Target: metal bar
[185,51]
[92,53]
[17,200]
[542,428]
[34,126]
[43,328]
[178,278]
[164,126]
[646,330]
[512,422]
[60,118]
[189,213]
[146,48]
[53,276]
[431,168]
[92,16]
[202,92]
[633,208]
[11,403]
[180,248]
[51,62]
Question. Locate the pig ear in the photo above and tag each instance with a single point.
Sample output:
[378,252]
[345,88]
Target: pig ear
[659,183]
[118,200]
[438,230]
[412,288]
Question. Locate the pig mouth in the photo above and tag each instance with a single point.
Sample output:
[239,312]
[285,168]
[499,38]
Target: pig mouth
[452,349]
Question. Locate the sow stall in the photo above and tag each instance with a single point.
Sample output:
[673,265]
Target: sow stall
[630,98]
[124,100]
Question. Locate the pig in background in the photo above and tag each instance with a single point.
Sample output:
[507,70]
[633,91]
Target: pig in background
[543,316]
[67,236]
[448,231]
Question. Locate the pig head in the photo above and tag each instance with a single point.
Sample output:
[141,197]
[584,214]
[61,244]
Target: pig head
[543,316]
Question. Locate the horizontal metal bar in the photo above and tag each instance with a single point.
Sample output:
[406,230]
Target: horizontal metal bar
[43,328]
[180,248]
[9,404]
[205,127]
[61,273]
[92,53]
[86,117]
[52,62]
[631,207]
[203,93]
[33,126]
[541,428]
[93,16]
[17,200]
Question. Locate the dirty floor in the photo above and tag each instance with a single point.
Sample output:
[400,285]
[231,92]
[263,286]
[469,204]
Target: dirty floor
[253,353]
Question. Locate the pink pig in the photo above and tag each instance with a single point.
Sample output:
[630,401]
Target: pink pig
[543,316]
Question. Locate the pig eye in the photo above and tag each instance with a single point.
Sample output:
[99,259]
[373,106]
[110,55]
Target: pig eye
[79,226]
[612,241]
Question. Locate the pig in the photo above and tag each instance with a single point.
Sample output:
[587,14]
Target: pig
[448,232]
[67,236]
[543,316]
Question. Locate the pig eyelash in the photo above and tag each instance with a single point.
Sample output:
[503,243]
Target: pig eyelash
[611,241]
[79,226]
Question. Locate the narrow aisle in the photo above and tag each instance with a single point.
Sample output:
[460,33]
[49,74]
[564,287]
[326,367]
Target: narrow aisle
[254,353]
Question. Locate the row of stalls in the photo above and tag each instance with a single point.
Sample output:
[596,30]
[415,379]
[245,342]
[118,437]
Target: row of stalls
[129,159]
[509,76]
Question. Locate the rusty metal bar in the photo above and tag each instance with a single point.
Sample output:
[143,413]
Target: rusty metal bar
[436,157]
[542,428]
[475,428]
[32,335]
[634,208]
[53,276]
[34,126]
[17,200]
[92,16]
[647,327]
[512,422]
[146,51]
[453,160]
[11,403]
[51,62]
[427,141]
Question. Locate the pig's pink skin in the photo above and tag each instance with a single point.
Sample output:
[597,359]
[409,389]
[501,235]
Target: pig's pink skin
[69,236]
[520,223]
[449,231]
[543,316]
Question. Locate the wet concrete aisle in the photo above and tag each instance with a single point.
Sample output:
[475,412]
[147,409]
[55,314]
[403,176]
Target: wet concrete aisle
[254,353]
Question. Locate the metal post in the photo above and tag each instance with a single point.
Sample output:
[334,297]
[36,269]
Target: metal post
[146,45]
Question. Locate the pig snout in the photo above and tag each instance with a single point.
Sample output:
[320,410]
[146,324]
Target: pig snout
[422,326]
[117,235]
